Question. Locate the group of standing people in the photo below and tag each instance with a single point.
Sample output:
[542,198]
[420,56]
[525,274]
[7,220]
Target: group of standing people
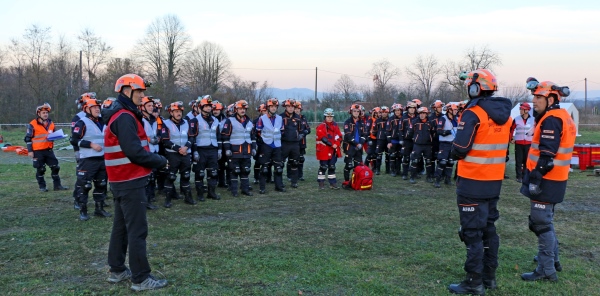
[119,142]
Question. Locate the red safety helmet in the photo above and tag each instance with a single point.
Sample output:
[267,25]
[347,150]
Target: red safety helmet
[525,106]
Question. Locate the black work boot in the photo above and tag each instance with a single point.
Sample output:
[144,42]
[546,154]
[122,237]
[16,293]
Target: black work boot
[557,264]
[200,193]
[437,183]
[245,183]
[233,186]
[188,199]
[489,278]
[321,184]
[536,276]
[168,196]
[76,205]
[212,194]
[100,212]
[472,285]
[83,214]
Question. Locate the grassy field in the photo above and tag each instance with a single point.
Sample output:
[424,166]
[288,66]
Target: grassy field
[397,239]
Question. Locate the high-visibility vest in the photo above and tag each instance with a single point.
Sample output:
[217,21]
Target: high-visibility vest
[486,160]
[522,129]
[562,159]
[239,133]
[39,141]
[178,136]
[94,135]
[207,134]
[151,132]
[118,167]
[271,132]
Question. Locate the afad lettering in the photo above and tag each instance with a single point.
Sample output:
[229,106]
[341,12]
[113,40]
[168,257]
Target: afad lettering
[468,209]
[539,206]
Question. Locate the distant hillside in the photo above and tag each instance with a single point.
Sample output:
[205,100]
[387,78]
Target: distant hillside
[294,93]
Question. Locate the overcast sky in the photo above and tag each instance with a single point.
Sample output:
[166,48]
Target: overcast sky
[550,40]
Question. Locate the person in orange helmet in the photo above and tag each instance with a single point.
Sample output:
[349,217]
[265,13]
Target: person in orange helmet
[41,148]
[547,171]
[480,145]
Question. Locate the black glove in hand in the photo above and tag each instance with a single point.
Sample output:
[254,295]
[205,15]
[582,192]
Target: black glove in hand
[228,153]
[535,179]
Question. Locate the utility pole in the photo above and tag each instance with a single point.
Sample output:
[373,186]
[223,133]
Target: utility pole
[315,106]
[585,98]
[80,71]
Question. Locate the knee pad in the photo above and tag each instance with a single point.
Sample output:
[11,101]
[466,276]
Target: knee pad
[87,185]
[379,156]
[405,160]
[470,236]
[278,168]
[415,161]
[186,175]
[451,162]
[301,159]
[391,155]
[201,174]
[54,169]
[214,173]
[331,167]
[246,170]
[538,229]
[237,170]
[427,162]
[443,162]
[349,166]
[103,183]
[264,169]
[98,184]
[172,176]
[41,170]
[293,163]
[322,169]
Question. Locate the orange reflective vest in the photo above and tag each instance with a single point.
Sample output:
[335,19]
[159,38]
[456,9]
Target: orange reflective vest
[486,160]
[562,159]
[39,141]
[118,167]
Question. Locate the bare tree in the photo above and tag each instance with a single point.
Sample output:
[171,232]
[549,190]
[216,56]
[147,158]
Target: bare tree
[347,89]
[423,73]
[162,49]
[95,53]
[383,72]
[251,91]
[474,58]
[516,93]
[36,48]
[62,79]
[206,68]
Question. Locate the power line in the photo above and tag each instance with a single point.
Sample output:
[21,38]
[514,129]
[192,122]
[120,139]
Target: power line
[272,69]
[346,74]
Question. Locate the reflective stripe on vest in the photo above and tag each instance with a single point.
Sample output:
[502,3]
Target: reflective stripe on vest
[271,132]
[179,136]
[94,135]
[522,129]
[39,141]
[118,167]
[239,133]
[486,160]
[207,135]
[562,159]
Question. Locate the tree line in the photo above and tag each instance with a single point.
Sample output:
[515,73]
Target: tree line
[36,68]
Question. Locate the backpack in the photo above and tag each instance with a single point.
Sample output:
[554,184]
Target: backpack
[362,178]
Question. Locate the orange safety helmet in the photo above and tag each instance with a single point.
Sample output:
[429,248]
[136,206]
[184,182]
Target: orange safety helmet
[422,110]
[450,106]
[298,105]
[357,107]
[524,106]
[230,108]
[289,102]
[261,108]
[241,104]
[479,80]
[81,101]
[417,101]
[217,105]
[438,104]
[146,100]
[545,88]
[205,100]
[411,104]
[272,102]
[91,103]
[134,81]
[107,103]
[44,107]
[157,103]
[385,109]
[175,106]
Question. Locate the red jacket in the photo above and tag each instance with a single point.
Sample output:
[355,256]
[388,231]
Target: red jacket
[328,134]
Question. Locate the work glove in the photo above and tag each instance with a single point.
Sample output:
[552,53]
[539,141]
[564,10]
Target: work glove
[359,146]
[253,152]
[219,154]
[401,142]
[77,156]
[370,143]
[228,153]
[196,156]
[535,179]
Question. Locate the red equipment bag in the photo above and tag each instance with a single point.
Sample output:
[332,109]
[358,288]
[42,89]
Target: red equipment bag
[362,178]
